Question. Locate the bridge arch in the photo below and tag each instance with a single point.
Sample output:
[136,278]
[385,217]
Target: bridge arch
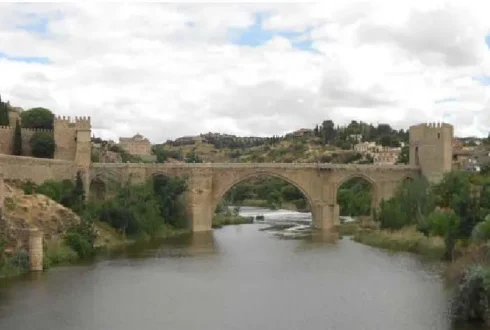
[236,179]
[97,189]
[374,192]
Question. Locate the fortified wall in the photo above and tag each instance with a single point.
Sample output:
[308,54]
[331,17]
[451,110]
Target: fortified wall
[71,136]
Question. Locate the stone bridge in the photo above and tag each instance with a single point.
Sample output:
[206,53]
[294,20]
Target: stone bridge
[207,183]
[430,156]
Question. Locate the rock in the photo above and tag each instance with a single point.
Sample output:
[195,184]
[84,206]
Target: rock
[34,211]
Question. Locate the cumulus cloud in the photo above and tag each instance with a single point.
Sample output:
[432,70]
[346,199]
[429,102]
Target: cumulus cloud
[168,70]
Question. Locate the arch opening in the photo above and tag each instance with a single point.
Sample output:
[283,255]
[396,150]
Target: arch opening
[98,190]
[356,198]
[169,192]
[255,197]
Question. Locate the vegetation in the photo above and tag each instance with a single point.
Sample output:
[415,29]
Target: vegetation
[4,113]
[17,143]
[42,145]
[354,197]
[224,216]
[37,118]
[266,191]
[144,208]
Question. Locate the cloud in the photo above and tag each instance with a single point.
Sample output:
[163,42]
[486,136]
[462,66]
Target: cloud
[168,70]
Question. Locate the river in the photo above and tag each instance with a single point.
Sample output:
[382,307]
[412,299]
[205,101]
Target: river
[235,278]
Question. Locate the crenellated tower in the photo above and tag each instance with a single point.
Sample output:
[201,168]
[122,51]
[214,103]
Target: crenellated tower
[431,149]
[72,138]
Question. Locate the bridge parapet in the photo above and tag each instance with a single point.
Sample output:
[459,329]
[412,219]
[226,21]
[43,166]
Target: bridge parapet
[350,167]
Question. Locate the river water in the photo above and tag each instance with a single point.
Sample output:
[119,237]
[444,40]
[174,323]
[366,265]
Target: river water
[235,278]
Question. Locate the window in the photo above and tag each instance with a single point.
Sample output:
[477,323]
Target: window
[438,135]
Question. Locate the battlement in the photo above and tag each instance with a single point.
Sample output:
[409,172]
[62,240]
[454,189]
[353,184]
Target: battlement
[26,130]
[5,128]
[72,122]
[433,125]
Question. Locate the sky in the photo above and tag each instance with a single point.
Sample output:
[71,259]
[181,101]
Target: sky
[171,70]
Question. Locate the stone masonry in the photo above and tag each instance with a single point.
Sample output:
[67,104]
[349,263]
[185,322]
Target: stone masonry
[207,183]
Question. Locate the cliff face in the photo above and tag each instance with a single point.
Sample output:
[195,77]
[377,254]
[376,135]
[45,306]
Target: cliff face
[23,211]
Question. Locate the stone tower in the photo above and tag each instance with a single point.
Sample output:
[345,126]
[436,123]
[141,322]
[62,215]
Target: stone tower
[72,138]
[431,149]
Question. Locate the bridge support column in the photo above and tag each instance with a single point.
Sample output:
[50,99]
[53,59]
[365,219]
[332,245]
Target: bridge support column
[326,216]
[199,201]
[36,256]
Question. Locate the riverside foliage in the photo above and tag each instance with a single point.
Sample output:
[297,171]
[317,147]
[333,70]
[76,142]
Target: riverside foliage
[141,209]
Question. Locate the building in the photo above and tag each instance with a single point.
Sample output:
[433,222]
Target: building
[303,132]
[386,157]
[365,147]
[137,145]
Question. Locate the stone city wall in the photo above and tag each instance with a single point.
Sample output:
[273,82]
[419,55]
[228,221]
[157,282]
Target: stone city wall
[36,169]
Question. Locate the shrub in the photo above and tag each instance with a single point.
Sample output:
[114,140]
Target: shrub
[472,300]
[29,187]
[81,237]
[481,232]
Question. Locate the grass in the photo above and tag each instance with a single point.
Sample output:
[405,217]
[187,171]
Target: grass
[14,265]
[223,219]
[56,252]
[407,239]
[349,228]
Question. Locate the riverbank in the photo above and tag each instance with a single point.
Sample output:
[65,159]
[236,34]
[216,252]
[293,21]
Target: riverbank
[225,219]
[58,253]
[406,240]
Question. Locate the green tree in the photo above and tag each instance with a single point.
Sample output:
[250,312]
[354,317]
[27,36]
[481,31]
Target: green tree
[328,131]
[404,156]
[37,118]
[4,114]
[78,194]
[17,148]
[42,145]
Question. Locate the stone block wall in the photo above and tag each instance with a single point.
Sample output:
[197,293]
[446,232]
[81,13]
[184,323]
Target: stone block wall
[6,139]
[36,169]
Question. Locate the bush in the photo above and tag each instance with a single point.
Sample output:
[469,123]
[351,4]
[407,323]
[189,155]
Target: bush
[472,300]
[441,223]
[29,187]
[481,232]
[81,237]
[42,145]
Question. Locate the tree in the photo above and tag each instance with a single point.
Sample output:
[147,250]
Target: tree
[4,114]
[42,145]
[404,156]
[78,193]
[37,118]
[328,131]
[17,149]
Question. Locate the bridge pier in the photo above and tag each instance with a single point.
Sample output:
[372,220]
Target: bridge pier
[325,216]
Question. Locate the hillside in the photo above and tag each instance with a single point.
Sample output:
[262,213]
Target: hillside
[304,150]
[22,211]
